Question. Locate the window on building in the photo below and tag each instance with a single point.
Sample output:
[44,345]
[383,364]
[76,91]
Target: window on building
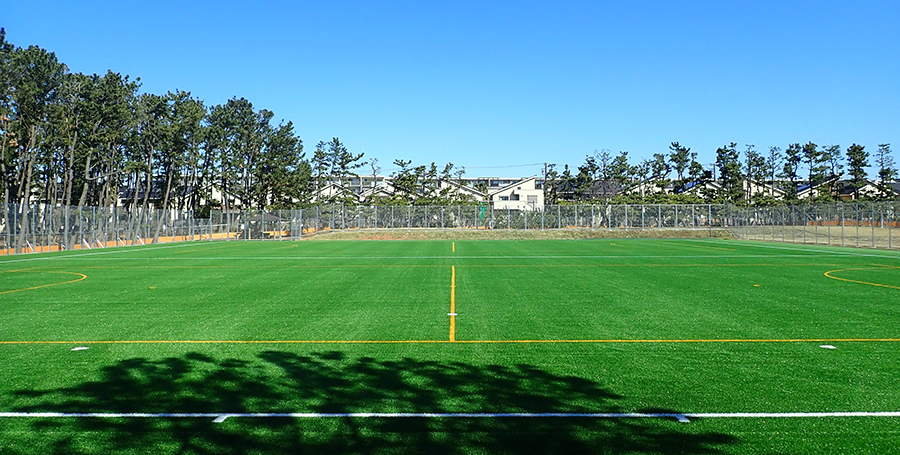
[504,198]
[531,198]
[514,197]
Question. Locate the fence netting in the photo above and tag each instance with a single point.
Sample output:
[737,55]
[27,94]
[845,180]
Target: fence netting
[43,227]
[864,224]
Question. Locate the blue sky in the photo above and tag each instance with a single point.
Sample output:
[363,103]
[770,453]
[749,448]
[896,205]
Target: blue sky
[484,84]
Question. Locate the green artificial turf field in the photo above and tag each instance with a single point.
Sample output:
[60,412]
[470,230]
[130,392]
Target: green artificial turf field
[583,346]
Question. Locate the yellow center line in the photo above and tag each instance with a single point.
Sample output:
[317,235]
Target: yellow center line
[453,303]
[638,341]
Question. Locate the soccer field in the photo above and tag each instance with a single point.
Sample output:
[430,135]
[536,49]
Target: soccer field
[477,346]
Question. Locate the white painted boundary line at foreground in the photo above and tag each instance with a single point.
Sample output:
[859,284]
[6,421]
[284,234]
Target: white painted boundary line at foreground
[332,258]
[80,253]
[833,249]
[220,417]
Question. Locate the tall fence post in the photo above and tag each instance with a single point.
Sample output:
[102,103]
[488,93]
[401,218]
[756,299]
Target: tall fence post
[872,222]
[793,226]
[15,224]
[66,233]
[816,225]
[890,224]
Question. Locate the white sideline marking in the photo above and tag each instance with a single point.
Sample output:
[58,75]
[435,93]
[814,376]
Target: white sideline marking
[827,346]
[77,253]
[812,248]
[332,258]
[220,417]
[81,348]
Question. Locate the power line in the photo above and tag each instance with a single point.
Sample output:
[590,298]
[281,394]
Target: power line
[505,167]
[482,167]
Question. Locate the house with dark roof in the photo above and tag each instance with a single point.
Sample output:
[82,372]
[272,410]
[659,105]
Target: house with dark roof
[806,190]
[845,190]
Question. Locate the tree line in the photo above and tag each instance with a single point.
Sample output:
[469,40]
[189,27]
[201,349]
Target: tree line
[76,139]
[752,177]
[96,140]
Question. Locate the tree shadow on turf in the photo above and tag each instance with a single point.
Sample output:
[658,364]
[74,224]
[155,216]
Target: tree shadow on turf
[332,382]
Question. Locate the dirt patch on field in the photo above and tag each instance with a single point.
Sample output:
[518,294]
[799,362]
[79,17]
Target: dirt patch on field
[503,234]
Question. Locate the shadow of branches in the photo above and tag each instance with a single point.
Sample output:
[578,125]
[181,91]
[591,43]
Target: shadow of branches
[332,382]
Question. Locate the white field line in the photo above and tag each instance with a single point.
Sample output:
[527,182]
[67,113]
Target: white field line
[813,249]
[220,417]
[110,251]
[824,253]
[327,258]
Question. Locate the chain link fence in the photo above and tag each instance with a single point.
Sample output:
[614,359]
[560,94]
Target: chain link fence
[41,227]
[44,227]
[335,217]
[862,224]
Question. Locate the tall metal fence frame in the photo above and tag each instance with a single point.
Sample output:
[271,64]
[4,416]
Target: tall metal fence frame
[41,227]
[289,224]
[860,224]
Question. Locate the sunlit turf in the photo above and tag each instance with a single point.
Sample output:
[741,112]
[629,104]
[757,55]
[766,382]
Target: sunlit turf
[686,326]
